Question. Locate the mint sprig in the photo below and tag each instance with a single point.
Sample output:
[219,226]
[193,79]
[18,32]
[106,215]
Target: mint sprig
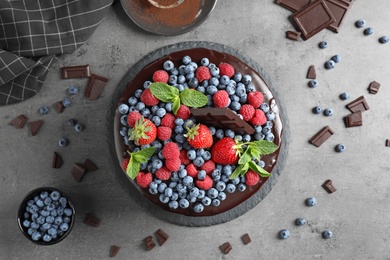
[188,97]
[136,158]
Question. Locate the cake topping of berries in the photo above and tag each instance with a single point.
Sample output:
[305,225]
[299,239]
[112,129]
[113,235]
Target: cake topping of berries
[221,99]
[225,151]
[160,76]
[144,179]
[247,111]
[164,133]
[226,69]
[205,184]
[133,164]
[148,98]
[251,178]
[133,117]
[143,132]
[163,173]
[259,118]
[170,151]
[199,136]
[255,98]
[202,73]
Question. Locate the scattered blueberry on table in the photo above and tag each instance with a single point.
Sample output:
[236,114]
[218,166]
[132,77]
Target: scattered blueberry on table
[384,39]
[313,83]
[284,234]
[73,90]
[336,58]
[360,23]
[300,221]
[368,31]
[43,110]
[327,234]
[66,102]
[330,64]
[323,45]
[317,110]
[63,141]
[79,127]
[311,201]
[328,112]
[340,148]
[344,96]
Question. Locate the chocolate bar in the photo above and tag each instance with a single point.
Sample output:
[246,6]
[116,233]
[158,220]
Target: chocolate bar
[75,72]
[114,250]
[373,88]
[91,220]
[359,104]
[328,186]
[246,239]
[161,236]
[90,166]
[293,35]
[387,142]
[149,243]
[35,126]
[339,10]
[57,161]
[313,18]
[78,172]
[222,118]
[354,119]
[95,86]
[225,248]
[311,73]
[19,121]
[293,5]
[59,107]
[321,136]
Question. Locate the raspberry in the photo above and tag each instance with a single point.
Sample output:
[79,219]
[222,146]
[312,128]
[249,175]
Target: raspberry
[252,178]
[221,99]
[191,170]
[133,117]
[255,99]
[173,164]
[205,184]
[183,112]
[160,76]
[247,111]
[259,118]
[163,173]
[148,98]
[164,133]
[144,179]
[183,157]
[202,73]
[168,120]
[208,166]
[125,162]
[226,69]
[171,151]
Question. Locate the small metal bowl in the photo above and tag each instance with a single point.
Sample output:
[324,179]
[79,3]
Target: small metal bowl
[22,211]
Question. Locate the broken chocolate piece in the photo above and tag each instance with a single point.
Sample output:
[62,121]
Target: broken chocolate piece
[359,104]
[321,136]
[387,142]
[149,243]
[354,119]
[373,88]
[313,18]
[91,220]
[161,236]
[293,35]
[19,121]
[311,73]
[35,126]
[114,250]
[222,118]
[59,107]
[293,5]
[78,172]
[328,186]
[57,161]
[95,86]
[339,10]
[90,166]
[225,248]
[246,239]
[75,72]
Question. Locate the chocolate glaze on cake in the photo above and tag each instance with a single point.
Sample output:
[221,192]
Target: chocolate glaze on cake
[196,54]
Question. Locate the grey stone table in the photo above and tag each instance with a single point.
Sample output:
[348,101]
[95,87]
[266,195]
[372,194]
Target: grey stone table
[357,213]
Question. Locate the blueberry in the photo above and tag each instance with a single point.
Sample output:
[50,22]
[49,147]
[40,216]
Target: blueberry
[52,231]
[212,193]
[146,85]
[206,156]
[229,133]
[216,202]
[201,175]
[63,142]
[313,83]
[140,106]
[311,201]
[264,107]
[329,64]
[179,129]
[227,170]
[241,187]
[300,221]
[383,39]
[340,148]
[317,110]
[201,195]
[138,93]
[184,203]
[73,90]
[161,187]
[360,23]
[64,227]
[231,90]
[46,238]
[206,201]
[145,112]
[327,234]
[34,225]
[220,134]
[36,236]
[235,106]
[328,112]
[214,71]
[43,110]
[211,90]
[246,79]
[173,204]
[79,127]
[55,195]
[156,120]
[266,130]
[224,80]
[250,88]
[26,223]
[230,188]
[157,164]
[193,83]
[68,212]
[198,207]
[237,77]
[47,201]
[124,120]
[168,65]
[284,234]
[204,62]
[186,60]
[187,180]
[66,102]
[174,71]
[198,161]
[368,31]
[220,186]
[344,96]
[153,191]
[221,196]
[72,122]
[270,115]
[336,58]
[323,45]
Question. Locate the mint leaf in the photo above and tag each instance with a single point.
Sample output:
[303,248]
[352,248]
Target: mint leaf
[163,92]
[266,147]
[175,105]
[133,168]
[239,171]
[144,154]
[254,167]
[193,98]
[246,156]
[255,151]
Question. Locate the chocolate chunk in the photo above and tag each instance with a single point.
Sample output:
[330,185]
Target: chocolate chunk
[19,121]
[359,104]
[114,250]
[293,35]
[225,248]
[90,166]
[75,72]
[35,126]
[373,88]
[161,236]
[328,186]
[313,18]
[78,171]
[222,118]
[91,220]
[354,119]
[339,10]
[387,142]
[293,5]
[149,243]
[246,239]
[57,161]
[311,73]
[59,107]
[321,136]
[95,86]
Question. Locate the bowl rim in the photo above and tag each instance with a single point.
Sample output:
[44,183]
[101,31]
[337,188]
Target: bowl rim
[30,195]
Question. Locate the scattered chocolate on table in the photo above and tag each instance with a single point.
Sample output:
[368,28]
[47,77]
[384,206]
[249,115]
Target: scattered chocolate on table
[311,73]
[373,88]
[225,248]
[293,35]
[359,104]
[19,121]
[294,5]
[328,186]
[114,250]
[78,172]
[387,142]
[90,166]
[149,243]
[321,136]
[59,107]
[35,126]
[57,161]
[339,10]
[71,72]
[354,119]
[91,220]
[246,239]
[95,86]
[161,236]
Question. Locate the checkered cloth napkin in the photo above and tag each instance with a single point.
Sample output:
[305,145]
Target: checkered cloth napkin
[33,32]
